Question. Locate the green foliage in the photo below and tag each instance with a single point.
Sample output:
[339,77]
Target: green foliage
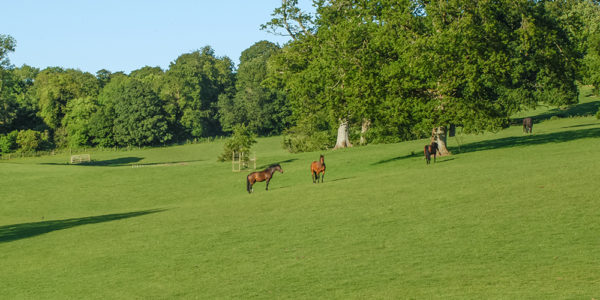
[241,141]
[261,108]
[103,77]
[308,135]
[139,117]
[8,142]
[587,27]
[55,87]
[30,140]
[7,44]
[77,120]
[428,64]
[192,87]
[102,121]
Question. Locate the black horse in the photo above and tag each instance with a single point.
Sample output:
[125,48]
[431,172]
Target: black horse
[430,149]
[527,125]
[267,174]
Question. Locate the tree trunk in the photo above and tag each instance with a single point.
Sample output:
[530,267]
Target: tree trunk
[365,126]
[343,140]
[438,135]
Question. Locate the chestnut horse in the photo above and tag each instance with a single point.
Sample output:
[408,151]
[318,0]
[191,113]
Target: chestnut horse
[267,174]
[317,168]
[430,149]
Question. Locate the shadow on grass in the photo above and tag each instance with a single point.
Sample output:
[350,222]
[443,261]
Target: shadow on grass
[582,125]
[445,159]
[117,162]
[528,140]
[578,110]
[9,233]
[120,162]
[343,178]
[260,168]
[396,158]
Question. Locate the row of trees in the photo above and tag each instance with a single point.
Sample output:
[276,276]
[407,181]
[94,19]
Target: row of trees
[198,96]
[392,69]
[376,71]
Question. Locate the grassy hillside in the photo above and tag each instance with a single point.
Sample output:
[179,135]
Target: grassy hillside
[507,216]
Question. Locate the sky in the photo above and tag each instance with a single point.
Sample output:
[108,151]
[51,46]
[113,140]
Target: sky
[125,35]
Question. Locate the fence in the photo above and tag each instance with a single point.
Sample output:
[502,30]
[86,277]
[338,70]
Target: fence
[242,160]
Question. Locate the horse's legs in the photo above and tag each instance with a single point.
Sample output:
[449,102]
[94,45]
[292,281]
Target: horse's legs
[313,174]
[268,184]
[322,177]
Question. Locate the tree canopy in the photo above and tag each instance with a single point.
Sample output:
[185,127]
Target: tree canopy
[381,71]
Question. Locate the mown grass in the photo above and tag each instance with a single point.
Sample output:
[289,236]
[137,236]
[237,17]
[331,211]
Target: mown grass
[507,216]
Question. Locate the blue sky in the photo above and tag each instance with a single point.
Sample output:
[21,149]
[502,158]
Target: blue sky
[127,35]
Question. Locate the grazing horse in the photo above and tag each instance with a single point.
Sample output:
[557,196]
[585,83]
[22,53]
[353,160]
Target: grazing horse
[267,174]
[527,125]
[431,149]
[316,168]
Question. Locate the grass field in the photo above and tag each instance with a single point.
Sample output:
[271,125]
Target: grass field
[507,216]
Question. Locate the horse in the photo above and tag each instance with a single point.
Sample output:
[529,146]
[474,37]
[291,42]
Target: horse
[527,125]
[316,168]
[267,174]
[430,149]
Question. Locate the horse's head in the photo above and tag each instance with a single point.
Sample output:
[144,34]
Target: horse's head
[322,158]
[277,167]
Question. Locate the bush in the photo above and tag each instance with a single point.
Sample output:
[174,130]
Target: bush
[598,114]
[30,140]
[295,142]
[308,135]
[241,141]
[8,142]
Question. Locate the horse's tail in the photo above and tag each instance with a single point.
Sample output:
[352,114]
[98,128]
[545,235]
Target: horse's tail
[248,184]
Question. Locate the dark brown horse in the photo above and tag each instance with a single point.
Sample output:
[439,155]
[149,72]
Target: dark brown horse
[316,168]
[267,174]
[527,125]
[430,149]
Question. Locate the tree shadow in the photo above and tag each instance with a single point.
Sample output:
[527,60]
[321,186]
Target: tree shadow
[528,140]
[385,161]
[279,162]
[9,233]
[123,161]
[578,110]
[340,179]
[445,159]
[169,163]
[582,125]
[117,162]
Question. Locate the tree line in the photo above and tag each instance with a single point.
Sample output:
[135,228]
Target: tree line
[198,96]
[362,71]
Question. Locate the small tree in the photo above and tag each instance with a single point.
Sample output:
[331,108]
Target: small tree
[8,142]
[29,140]
[241,141]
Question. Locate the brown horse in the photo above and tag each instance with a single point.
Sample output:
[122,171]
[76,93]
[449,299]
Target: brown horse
[316,168]
[267,174]
[430,149]
[527,125]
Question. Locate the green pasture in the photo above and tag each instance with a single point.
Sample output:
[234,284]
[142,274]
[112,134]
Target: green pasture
[508,216]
